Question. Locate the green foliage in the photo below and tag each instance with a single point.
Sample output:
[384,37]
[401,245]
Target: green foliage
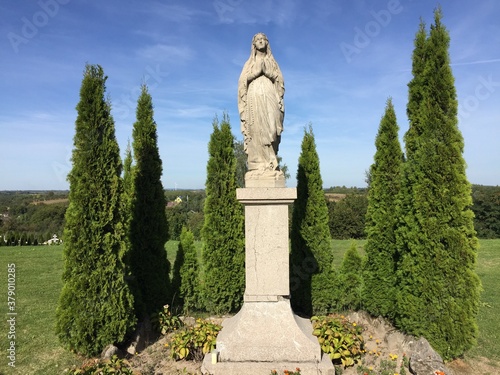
[350,281]
[312,277]
[196,341]
[437,244]
[339,338]
[148,223]
[223,231]
[386,367]
[114,366]
[186,277]
[188,212]
[96,305]
[189,271]
[486,210]
[31,218]
[164,322]
[347,217]
[381,219]
[241,163]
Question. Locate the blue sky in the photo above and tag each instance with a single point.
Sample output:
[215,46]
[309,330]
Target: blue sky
[340,60]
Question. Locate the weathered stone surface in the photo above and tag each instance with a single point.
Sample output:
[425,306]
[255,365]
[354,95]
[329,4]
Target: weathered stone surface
[109,351]
[267,332]
[262,179]
[260,103]
[424,360]
[266,242]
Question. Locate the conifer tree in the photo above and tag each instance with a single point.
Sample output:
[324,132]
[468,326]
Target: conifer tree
[188,268]
[148,226]
[128,191]
[438,289]
[128,181]
[381,219]
[223,230]
[416,89]
[95,306]
[311,269]
[350,281]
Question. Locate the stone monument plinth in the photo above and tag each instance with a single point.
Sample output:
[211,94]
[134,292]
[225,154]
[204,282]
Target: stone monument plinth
[265,334]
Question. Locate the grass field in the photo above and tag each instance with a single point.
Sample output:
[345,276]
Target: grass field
[38,283]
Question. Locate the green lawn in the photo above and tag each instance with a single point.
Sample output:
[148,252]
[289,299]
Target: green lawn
[38,283]
[488,269]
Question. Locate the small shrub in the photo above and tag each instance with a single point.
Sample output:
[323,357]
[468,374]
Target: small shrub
[164,322]
[339,338]
[194,342]
[114,366]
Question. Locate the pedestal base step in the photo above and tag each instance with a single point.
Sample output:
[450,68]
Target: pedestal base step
[324,367]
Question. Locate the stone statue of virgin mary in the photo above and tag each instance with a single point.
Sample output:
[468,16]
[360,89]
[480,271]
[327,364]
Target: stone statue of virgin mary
[260,102]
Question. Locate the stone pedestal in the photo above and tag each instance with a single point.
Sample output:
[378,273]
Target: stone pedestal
[266,335]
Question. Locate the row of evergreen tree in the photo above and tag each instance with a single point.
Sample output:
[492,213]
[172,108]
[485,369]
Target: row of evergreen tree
[421,246]
[116,271]
[115,266]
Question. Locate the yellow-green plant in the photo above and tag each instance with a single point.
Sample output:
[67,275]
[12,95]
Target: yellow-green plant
[339,338]
[164,322]
[194,342]
[114,365]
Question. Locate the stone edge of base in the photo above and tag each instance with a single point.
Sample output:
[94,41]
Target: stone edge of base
[325,367]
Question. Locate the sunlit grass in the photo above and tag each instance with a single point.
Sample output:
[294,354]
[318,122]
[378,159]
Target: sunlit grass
[38,284]
[488,269]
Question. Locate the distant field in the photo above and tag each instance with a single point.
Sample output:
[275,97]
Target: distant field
[51,201]
[38,284]
[335,197]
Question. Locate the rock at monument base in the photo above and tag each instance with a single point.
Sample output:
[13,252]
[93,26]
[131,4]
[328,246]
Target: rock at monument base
[267,336]
[425,360]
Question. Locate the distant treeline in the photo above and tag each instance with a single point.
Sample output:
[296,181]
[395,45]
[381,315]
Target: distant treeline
[33,217]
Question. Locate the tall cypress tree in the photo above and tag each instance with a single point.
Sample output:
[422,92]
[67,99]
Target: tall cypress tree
[148,227]
[95,306]
[311,269]
[381,218]
[223,230]
[350,281]
[416,88]
[438,293]
[189,277]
